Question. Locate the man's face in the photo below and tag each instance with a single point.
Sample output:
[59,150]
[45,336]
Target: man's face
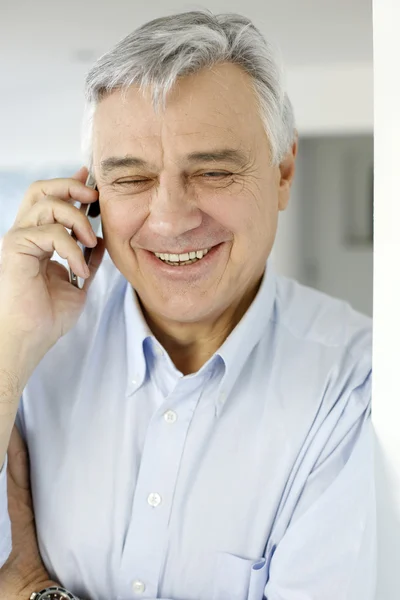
[199,179]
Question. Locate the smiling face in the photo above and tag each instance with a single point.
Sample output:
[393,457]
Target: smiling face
[195,177]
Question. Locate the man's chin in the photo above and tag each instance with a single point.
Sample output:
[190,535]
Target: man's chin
[182,314]
[181,310]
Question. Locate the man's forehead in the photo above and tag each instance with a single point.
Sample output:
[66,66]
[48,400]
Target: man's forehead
[178,135]
[212,98]
[189,142]
[196,120]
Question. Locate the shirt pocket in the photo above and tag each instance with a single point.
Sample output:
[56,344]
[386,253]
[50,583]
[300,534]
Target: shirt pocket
[238,578]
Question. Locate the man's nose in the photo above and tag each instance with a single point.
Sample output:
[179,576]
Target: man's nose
[173,209]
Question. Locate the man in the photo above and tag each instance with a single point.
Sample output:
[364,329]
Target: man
[198,427]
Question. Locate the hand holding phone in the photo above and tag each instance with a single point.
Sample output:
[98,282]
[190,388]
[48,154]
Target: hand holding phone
[92,211]
[37,302]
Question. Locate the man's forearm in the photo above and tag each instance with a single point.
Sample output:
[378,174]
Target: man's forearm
[15,371]
[10,393]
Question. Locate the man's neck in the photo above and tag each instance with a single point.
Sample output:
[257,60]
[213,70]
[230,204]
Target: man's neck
[191,345]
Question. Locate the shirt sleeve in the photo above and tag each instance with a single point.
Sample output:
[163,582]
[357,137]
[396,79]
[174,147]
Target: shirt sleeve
[329,548]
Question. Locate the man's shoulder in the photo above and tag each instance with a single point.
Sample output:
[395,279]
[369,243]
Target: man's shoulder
[325,346]
[315,317]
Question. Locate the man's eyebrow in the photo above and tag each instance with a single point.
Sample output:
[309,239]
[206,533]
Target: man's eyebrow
[117,162]
[225,154]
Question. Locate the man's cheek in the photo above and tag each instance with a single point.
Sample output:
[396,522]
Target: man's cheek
[117,228]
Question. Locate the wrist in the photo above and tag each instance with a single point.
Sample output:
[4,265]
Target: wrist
[36,586]
[18,582]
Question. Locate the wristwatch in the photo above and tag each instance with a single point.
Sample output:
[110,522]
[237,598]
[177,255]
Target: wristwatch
[53,593]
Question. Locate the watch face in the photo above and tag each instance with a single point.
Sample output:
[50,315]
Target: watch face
[55,594]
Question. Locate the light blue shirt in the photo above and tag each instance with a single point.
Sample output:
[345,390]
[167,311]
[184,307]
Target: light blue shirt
[251,478]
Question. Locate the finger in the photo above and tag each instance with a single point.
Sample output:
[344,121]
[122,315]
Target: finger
[41,242]
[53,210]
[69,190]
[95,262]
[18,460]
[64,188]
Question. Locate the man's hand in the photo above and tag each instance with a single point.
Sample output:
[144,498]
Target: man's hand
[24,571]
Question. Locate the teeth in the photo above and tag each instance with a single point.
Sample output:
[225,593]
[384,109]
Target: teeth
[176,258]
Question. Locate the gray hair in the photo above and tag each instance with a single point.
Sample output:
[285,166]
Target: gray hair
[162,50]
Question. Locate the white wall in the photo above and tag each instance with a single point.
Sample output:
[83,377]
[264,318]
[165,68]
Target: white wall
[386,383]
[332,99]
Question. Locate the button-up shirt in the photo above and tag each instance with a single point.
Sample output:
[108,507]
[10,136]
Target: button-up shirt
[250,478]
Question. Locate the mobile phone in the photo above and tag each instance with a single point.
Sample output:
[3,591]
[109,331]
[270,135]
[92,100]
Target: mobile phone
[92,211]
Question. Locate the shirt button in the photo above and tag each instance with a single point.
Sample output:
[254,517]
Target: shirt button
[138,587]
[154,499]
[170,416]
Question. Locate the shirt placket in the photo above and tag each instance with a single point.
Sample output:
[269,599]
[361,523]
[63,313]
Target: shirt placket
[146,542]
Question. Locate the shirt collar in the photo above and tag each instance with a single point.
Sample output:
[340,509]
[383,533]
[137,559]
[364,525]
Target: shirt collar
[248,332]
[137,331]
[234,351]
[142,346]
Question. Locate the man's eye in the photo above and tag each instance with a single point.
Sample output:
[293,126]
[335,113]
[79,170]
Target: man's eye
[215,174]
[133,181]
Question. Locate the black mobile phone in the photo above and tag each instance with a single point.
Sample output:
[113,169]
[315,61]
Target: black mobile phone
[92,211]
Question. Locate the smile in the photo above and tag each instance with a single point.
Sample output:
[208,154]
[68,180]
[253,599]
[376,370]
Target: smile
[182,259]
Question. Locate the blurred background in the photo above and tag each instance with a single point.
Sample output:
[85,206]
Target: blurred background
[325,237]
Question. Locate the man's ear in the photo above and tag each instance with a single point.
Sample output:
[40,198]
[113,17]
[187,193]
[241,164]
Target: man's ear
[287,170]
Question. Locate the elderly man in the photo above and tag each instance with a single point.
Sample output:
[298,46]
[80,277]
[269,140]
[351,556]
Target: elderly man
[198,427]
